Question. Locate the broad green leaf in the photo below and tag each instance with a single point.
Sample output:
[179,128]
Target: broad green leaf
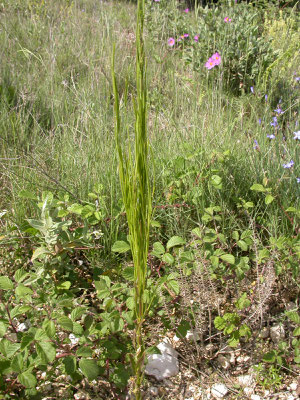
[175,241]
[40,334]
[296,331]
[77,313]
[64,285]
[120,376]
[26,340]
[89,368]
[293,316]
[235,235]
[46,351]
[216,181]
[229,258]
[183,328]
[39,225]
[128,274]
[168,258]
[219,323]
[258,188]
[242,245]
[39,252]
[84,351]
[77,328]
[49,328]
[23,290]
[17,363]
[75,209]
[27,379]
[3,328]
[234,340]
[70,365]
[174,286]
[20,275]
[66,323]
[158,249]
[6,283]
[269,199]
[270,357]
[120,247]
[5,367]
[26,194]
[8,349]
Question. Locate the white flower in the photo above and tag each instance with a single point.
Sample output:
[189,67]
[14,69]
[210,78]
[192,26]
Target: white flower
[297,135]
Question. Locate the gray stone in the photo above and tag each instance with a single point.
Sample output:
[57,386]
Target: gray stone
[219,390]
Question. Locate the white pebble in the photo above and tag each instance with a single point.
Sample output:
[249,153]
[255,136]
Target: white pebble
[219,390]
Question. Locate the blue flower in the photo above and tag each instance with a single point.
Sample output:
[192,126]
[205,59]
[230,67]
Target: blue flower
[259,121]
[252,89]
[271,136]
[255,144]
[289,164]
[266,97]
[298,180]
[278,110]
[297,135]
[297,78]
[275,122]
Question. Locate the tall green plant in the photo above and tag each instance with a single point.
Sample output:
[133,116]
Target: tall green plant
[136,192]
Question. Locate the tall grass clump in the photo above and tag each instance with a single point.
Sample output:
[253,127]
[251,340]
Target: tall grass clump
[136,192]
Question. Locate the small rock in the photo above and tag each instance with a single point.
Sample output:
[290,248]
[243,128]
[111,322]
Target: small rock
[210,347]
[248,391]
[291,397]
[277,333]
[223,361]
[242,359]
[162,366]
[265,333]
[291,307]
[293,386]
[231,358]
[255,397]
[23,327]
[166,348]
[192,336]
[74,340]
[245,380]
[153,390]
[219,390]
[79,395]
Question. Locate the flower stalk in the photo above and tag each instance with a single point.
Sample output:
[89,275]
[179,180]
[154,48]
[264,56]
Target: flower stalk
[137,193]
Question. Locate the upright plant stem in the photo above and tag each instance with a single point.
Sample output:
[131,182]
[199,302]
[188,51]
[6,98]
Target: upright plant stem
[137,193]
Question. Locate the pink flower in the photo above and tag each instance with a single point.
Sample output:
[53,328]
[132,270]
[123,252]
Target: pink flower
[186,10]
[156,1]
[227,19]
[210,63]
[171,42]
[186,35]
[196,38]
[214,60]
[217,58]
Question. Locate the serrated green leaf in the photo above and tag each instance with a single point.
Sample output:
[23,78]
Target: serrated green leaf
[70,365]
[120,247]
[128,274]
[77,313]
[293,316]
[23,290]
[242,245]
[89,368]
[219,323]
[39,253]
[158,249]
[75,209]
[175,241]
[64,285]
[40,334]
[46,351]
[270,357]
[3,328]
[174,286]
[49,328]
[27,379]
[168,258]
[26,340]
[296,331]
[84,351]
[20,275]
[6,283]
[5,367]
[17,363]
[229,258]
[77,328]
[66,323]
[8,349]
